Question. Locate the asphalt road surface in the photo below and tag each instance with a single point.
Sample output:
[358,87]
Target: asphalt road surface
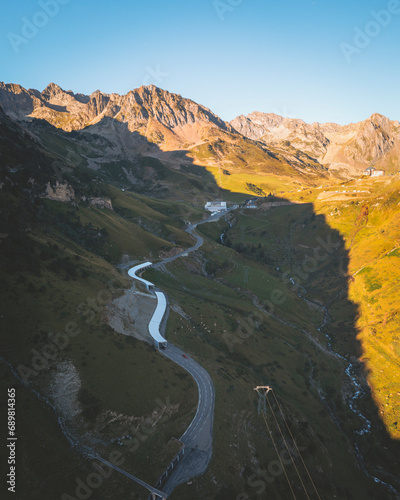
[199,239]
[198,436]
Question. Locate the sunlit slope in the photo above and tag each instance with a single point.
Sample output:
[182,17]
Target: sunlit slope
[370,225]
[249,325]
[241,165]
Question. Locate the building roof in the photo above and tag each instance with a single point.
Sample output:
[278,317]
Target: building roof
[215,203]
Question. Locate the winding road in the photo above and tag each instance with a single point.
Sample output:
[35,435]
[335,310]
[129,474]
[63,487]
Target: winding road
[197,439]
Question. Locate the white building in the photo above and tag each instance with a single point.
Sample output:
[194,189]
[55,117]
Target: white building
[215,206]
[372,172]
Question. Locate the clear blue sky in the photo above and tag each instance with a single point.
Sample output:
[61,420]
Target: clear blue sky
[280,56]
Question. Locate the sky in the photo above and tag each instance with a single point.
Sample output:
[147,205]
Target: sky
[319,60]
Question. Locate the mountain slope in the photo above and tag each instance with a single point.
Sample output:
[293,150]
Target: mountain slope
[71,111]
[372,142]
[103,129]
[57,270]
[233,307]
[370,226]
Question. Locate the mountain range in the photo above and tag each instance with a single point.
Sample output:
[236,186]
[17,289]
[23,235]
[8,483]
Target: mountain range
[150,122]
[371,143]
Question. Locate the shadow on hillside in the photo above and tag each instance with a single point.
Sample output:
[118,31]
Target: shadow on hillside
[312,254]
[311,258]
[131,161]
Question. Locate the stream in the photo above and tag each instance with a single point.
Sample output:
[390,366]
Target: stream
[350,369]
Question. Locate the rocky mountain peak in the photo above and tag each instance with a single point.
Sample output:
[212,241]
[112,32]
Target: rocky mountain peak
[96,93]
[379,120]
[52,90]
[377,117]
[75,111]
[15,88]
[151,88]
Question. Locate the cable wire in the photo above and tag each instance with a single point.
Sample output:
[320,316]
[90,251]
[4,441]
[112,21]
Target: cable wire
[298,451]
[280,460]
[287,447]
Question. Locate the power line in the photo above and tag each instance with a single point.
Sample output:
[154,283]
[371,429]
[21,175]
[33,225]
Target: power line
[298,451]
[287,447]
[279,457]
[262,409]
[263,393]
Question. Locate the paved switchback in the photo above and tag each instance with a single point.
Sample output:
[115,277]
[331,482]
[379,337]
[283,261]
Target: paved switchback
[197,438]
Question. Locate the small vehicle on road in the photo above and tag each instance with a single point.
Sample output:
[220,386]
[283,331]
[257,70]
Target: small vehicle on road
[184,355]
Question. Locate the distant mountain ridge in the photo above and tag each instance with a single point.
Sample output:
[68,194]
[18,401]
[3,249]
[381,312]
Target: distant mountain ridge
[372,142]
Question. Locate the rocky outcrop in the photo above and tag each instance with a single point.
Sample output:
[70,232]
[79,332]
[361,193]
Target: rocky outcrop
[17,102]
[97,104]
[101,202]
[60,192]
[65,193]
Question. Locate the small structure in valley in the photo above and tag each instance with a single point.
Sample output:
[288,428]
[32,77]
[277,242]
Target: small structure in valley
[373,172]
[141,267]
[156,320]
[215,206]
[250,203]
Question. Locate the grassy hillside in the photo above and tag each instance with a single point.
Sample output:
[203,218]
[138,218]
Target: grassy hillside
[365,213]
[57,276]
[244,166]
[293,298]
[249,325]
[370,227]
[201,167]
